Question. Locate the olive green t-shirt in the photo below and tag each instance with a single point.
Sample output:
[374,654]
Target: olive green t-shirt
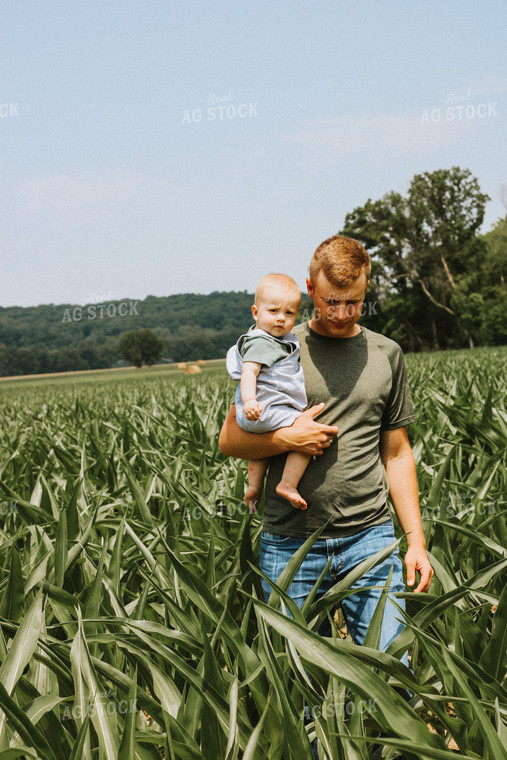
[363,382]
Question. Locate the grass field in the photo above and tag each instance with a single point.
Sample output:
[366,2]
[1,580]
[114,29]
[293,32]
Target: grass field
[131,617]
[119,373]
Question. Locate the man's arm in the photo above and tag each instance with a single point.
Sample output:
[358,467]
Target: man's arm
[398,460]
[304,435]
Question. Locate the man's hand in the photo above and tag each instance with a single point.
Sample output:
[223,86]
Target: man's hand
[306,435]
[252,409]
[416,560]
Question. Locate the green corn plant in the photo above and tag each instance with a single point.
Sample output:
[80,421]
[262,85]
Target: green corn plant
[132,620]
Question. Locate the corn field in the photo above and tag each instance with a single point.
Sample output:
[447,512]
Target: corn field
[131,614]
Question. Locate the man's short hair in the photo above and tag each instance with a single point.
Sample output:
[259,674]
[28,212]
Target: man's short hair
[274,279]
[341,259]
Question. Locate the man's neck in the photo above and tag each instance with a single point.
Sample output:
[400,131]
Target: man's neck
[355,331]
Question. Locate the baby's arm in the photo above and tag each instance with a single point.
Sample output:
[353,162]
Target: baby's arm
[249,373]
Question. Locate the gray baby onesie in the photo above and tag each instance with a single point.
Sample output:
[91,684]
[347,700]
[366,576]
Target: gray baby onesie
[280,386]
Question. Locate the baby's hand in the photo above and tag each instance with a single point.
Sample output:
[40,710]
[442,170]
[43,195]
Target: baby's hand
[252,409]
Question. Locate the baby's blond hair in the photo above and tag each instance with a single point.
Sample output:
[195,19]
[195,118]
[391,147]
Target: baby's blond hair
[274,279]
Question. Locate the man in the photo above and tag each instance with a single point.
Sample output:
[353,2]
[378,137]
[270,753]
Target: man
[360,449]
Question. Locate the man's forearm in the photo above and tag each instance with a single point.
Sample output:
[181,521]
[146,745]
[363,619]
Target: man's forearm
[304,435]
[403,491]
[235,442]
[402,478]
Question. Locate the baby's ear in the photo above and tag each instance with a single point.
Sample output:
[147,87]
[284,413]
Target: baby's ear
[255,311]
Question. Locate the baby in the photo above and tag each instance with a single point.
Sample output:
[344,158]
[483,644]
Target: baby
[271,393]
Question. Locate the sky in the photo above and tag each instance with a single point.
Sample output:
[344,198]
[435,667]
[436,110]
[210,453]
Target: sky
[185,146]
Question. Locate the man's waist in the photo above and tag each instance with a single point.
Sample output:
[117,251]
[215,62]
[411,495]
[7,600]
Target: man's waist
[335,529]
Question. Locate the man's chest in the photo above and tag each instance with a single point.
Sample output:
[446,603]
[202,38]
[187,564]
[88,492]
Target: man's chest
[356,382]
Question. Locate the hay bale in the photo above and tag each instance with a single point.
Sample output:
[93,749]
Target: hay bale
[200,362]
[192,369]
[181,365]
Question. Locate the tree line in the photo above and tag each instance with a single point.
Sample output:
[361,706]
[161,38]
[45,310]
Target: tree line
[60,338]
[436,283]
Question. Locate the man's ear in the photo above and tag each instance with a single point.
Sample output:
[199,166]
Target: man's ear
[309,287]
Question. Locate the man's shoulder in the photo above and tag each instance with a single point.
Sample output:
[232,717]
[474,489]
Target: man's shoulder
[382,342]
[300,330]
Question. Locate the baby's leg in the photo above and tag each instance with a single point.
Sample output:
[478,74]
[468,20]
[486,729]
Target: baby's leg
[256,471]
[295,466]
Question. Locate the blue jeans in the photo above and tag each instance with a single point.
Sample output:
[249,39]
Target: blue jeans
[347,552]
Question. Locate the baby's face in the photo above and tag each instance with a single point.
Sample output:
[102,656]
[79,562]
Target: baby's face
[276,310]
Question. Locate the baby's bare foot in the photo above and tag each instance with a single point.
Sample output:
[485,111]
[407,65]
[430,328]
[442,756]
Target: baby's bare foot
[292,495]
[252,497]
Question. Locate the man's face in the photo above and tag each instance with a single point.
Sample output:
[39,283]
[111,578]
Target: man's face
[336,309]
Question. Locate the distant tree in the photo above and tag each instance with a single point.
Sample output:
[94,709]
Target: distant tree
[492,286]
[496,244]
[428,244]
[69,360]
[141,346]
